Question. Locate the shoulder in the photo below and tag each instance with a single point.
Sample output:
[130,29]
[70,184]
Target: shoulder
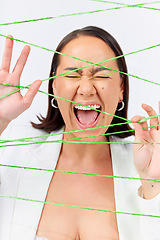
[21,131]
[27,137]
[23,140]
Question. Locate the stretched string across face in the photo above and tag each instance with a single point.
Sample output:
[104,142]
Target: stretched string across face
[104,67]
[96,95]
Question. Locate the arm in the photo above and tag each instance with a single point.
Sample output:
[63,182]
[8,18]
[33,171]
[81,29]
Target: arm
[147,162]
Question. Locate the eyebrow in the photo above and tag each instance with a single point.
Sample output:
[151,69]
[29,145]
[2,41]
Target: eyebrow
[73,68]
[98,69]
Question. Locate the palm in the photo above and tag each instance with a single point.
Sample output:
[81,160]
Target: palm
[10,107]
[147,156]
[13,105]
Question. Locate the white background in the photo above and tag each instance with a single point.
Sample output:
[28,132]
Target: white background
[134,29]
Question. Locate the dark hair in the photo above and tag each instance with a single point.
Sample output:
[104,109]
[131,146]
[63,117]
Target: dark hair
[54,120]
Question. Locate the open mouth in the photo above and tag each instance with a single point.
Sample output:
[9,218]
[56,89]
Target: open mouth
[87,116]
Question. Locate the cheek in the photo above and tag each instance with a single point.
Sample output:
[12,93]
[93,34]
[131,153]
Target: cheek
[64,89]
[110,90]
[110,95]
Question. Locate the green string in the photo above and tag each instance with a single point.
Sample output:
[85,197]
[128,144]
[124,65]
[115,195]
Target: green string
[79,173]
[142,120]
[91,63]
[136,5]
[79,207]
[28,139]
[110,114]
[119,3]
[73,131]
[67,55]
[124,143]
[77,142]
[81,13]
[108,68]
[49,94]
[75,70]
[62,74]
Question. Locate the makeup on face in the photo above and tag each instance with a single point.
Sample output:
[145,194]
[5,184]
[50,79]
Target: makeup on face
[96,72]
[95,87]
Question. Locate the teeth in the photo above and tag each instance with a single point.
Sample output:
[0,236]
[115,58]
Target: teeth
[85,108]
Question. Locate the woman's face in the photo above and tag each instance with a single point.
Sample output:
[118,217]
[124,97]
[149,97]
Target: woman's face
[92,86]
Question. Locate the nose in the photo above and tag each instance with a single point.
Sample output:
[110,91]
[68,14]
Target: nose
[86,87]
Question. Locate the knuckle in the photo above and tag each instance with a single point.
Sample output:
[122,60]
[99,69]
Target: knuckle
[20,61]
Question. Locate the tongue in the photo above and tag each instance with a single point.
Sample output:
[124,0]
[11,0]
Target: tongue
[87,117]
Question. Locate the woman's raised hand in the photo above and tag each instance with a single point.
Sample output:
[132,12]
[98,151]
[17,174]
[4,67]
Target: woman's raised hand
[13,105]
[147,156]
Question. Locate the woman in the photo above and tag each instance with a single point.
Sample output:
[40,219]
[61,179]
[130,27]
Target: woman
[100,88]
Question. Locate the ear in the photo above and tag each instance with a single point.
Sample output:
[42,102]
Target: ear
[121,90]
[54,85]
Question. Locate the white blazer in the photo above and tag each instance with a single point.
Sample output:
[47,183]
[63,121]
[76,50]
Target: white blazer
[19,218]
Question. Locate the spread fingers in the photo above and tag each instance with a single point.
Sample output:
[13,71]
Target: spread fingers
[7,55]
[18,69]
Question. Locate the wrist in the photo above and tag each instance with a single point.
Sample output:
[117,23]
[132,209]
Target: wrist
[3,125]
[150,189]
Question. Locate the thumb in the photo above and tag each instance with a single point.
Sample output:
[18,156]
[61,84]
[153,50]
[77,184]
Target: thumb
[139,131]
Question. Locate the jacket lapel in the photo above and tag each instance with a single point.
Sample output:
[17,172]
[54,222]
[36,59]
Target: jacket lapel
[33,185]
[126,191]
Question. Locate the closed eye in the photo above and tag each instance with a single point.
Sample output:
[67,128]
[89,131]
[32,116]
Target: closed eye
[102,76]
[72,76]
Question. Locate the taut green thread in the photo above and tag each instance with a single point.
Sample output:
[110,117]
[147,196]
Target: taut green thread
[79,173]
[80,13]
[82,142]
[119,3]
[136,5]
[73,131]
[76,103]
[85,208]
[26,87]
[28,139]
[98,63]
[127,143]
[49,94]
[95,209]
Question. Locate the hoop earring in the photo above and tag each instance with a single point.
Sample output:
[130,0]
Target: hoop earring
[122,106]
[52,103]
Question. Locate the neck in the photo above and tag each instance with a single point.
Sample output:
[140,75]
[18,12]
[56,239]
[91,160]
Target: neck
[85,152]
